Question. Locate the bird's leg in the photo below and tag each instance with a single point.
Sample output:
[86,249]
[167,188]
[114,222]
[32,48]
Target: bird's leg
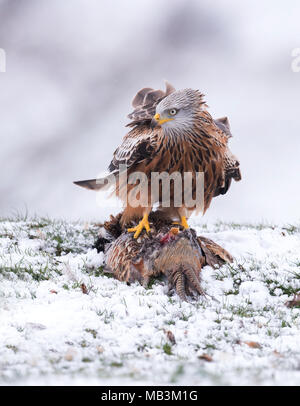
[182,213]
[183,222]
[144,223]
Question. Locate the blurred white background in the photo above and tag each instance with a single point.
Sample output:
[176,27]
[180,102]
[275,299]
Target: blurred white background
[73,67]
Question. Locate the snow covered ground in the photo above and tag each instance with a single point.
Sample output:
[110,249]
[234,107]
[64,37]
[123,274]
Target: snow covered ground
[53,333]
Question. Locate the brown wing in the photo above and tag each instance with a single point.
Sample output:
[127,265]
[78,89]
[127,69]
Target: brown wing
[214,253]
[137,146]
[145,103]
[219,164]
[232,171]
[231,163]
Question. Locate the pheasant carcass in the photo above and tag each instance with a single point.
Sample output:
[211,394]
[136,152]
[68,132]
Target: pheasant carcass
[166,250]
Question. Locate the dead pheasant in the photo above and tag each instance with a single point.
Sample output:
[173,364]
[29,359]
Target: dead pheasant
[179,255]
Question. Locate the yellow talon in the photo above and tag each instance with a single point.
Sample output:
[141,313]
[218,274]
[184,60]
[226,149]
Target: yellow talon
[183,222]
[144,223]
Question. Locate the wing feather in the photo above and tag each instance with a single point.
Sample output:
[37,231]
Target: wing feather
[145,103]
[137,146]
[222,165]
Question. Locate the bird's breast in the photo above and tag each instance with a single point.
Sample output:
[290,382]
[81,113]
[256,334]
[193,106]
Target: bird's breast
[182,155]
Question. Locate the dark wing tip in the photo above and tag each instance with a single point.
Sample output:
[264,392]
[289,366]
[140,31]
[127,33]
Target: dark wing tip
[78,182]
[87,184]
[169,88]
[139,97]
[223,124]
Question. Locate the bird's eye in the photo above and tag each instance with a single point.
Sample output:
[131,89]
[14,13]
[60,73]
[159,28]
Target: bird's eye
[172,112]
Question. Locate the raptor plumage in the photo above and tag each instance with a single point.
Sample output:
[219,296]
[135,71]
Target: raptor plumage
[190,141]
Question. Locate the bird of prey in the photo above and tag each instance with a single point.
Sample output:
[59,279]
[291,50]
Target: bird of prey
[171,131]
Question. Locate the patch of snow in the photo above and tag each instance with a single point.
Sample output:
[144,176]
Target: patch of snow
[53,333]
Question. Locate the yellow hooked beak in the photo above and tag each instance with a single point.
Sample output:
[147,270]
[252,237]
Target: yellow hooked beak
[161,121]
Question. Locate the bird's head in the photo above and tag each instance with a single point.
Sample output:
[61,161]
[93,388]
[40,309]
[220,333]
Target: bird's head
[177,112]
